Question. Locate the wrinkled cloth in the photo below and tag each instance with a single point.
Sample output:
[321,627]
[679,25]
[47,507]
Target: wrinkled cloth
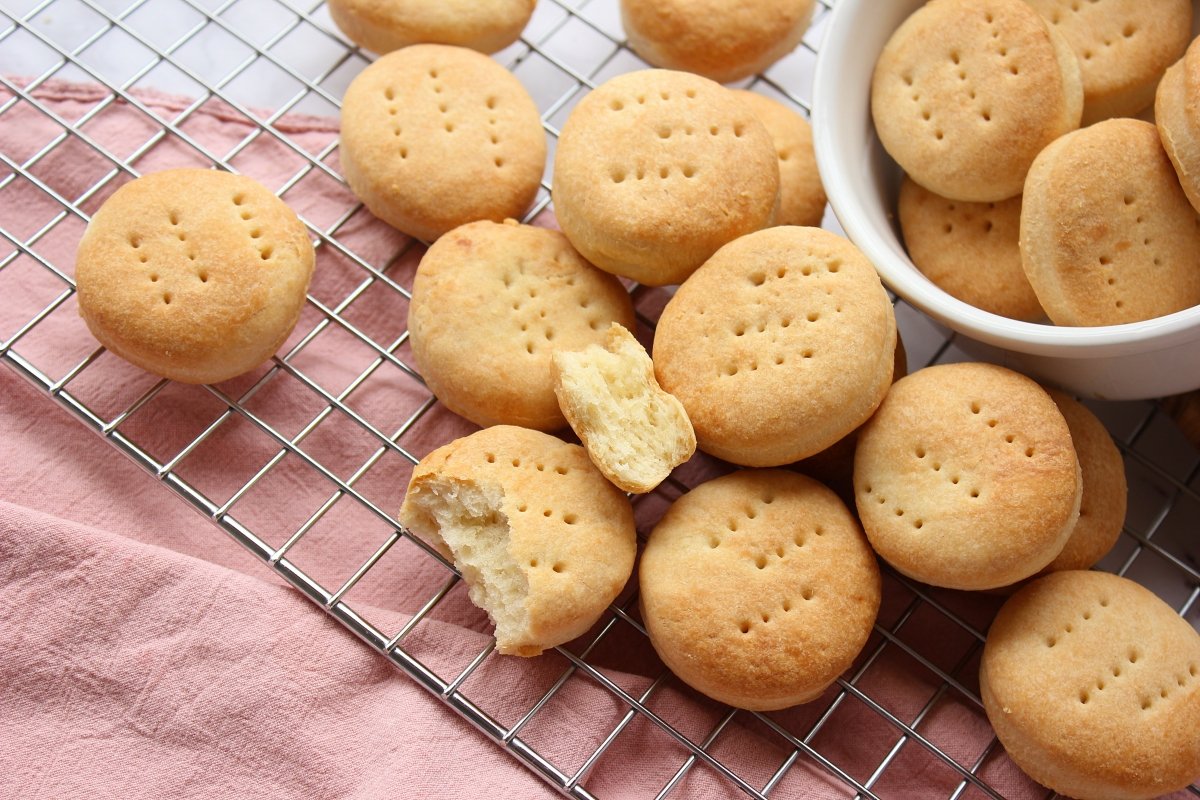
[145,654]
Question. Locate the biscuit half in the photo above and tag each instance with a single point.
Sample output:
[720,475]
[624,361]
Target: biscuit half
[543,541]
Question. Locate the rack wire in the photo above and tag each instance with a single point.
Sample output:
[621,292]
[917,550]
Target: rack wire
[241,56]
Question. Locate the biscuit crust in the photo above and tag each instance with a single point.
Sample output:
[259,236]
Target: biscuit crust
[1092,684]
[435,136]
[759,589]
[720,40]
[966,93]
[570,533]
[781,344]
[1107,234]
[193,274]
[966,477]
[490,304]
[696,169]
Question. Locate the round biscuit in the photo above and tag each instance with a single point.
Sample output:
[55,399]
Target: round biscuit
[758,589]
[1092,684]
[966,477]
[570,532]
[435,136]
[1105,492]
[781,344]
[695,169]
[490,304]
[1177,114]
[718,39]
[801,195]
[966,93]
[1107,234]
[193,274]
[1122,49]
[387,25]
[969,250]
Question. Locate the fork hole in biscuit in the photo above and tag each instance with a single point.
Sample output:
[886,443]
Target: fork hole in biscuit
[1129,31]
[987,226]
[926,115]
[918,524]
[766,617]
[560,470]
[616,105]
[559,567]
[1051,641]
[758,278]
[745,626]
[246,215]
[499,162]
[1029,452]
[154,277]
[733,526]
[939,135]
[908,80]
[143,258]
[991,423]
[948,228]
[689,171]
[954,56]
[713,542]
[664,132]
[813,316]
[1084,697]
[1105,261]
[664,172]
[203,276]
[899,512]
[738,130]
[491,459]
[987,116]
[798,540]
[920,452]
[761,562]
[974,493]
[491,102]
[1146,703]
[256,233]
[166,298]
[135,242]
[238,199]
[174,218]
[1133,656]
[807,593]
[806,353]
[266,252]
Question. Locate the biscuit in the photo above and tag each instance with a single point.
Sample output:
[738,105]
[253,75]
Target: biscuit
[966,93]
[801,195]
[1177,113]
[1107,234]
[543,541]
[969,250]
[715,38]
[758,589]
[695,169]
[781,344]
[435,136]
[634,432]
[1105,493]
[1123,48]
[490,303]
[387,25]
[966,477]
[193,274]
[1093,686]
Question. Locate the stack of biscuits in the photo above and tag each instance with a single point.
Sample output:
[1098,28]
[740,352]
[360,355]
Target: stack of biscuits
[777,352]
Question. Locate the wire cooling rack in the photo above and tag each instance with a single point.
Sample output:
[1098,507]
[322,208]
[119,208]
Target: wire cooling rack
[285,56]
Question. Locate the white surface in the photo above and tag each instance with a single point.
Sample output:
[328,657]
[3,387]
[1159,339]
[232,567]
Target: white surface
[1137,360]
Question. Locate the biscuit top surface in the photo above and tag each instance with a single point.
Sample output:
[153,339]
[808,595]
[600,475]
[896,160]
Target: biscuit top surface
[185,259]
[759,583]
[971,90]
[1117,42]
[1110,236]
[964,473]
[441,121]
[788,326]
[1097,667]
[694,163]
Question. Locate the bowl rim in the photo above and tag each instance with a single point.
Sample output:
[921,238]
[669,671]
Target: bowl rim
[902,276]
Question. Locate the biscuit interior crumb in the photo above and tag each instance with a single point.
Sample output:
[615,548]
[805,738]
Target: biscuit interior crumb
[634,431]
[463,520]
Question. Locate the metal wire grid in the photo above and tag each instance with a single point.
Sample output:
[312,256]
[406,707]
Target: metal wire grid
[1168,490]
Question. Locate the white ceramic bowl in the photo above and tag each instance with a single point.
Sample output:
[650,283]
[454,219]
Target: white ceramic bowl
[1137,360]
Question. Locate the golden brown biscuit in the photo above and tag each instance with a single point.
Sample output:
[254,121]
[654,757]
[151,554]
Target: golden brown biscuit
[1093,686]
[1105,494]
[1177,113]
[1107,234]
[781,344]
[387,25]
[543,541]
[634,432]
[1123,48]
[966,477]
[718,39]
[490,304]
[655,170]
[193,274]
[758,589]
[801,195]
[966,93]
[969,250]
[435,136]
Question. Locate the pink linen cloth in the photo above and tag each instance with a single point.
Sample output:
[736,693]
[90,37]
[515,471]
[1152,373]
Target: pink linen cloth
[146,655]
